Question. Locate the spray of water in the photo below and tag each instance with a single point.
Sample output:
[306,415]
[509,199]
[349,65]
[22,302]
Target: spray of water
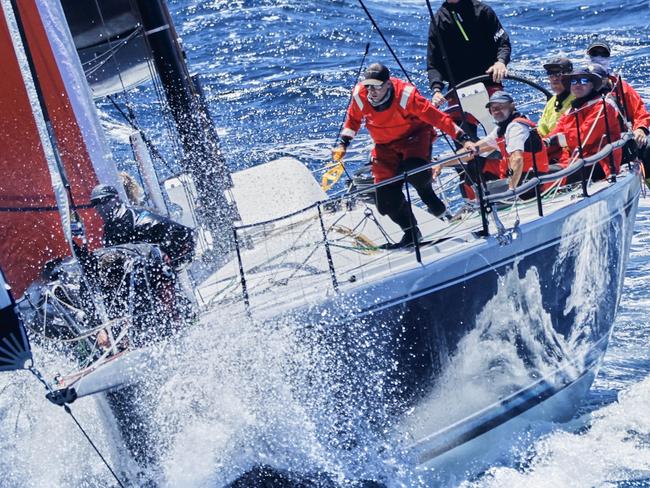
[612,452]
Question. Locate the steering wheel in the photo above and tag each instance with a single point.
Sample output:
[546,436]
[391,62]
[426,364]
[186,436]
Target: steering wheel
[484,78]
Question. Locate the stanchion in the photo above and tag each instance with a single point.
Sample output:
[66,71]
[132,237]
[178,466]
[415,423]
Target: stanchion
[414,228]
[538,193]
[328,252]
[583,170]
[242,276]
[481,200]
[612,166]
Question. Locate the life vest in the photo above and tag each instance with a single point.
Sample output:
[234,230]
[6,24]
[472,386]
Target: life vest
[630,103]
[591,120]
[534,150]
[392,123]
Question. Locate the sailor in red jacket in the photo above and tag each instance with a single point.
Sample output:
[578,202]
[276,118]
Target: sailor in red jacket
[400,122]
[591,113]
[628,99]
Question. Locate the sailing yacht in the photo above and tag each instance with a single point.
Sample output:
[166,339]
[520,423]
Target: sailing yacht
[533,286]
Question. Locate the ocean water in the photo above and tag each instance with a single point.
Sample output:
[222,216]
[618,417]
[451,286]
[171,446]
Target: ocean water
[277,75]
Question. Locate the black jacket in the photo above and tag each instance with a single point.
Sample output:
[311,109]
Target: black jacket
[471,50]
[132,225]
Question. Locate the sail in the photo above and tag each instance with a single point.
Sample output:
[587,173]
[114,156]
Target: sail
[51,138]
[111,44]
[14,346]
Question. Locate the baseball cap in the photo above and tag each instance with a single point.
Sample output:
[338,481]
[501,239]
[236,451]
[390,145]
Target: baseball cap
[583,72]
[598,69]
[561,64]
[500,96]
[599,45]
[375,74]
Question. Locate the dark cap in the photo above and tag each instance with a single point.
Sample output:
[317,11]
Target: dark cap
[598,69]
[375,74]
[583,72]
[599,44]
[500,96]
[103,193]
[561,64]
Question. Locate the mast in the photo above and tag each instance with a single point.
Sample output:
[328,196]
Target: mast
[203,157]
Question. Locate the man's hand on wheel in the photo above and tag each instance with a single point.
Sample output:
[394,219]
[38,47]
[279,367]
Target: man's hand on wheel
[498,71]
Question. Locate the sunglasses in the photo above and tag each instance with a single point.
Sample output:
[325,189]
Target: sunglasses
[580,81]
[376,87]
[554,73]
[599,52]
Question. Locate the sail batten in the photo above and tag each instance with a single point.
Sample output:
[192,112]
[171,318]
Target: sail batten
[15,352]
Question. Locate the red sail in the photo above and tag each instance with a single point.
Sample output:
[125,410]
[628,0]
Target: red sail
[30,228]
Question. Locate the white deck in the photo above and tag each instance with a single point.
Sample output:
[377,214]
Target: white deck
[287,265]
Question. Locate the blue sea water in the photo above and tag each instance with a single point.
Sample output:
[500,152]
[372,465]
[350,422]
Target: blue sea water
[277,74]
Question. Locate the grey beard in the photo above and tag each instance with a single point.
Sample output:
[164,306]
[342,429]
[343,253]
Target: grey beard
[389,92]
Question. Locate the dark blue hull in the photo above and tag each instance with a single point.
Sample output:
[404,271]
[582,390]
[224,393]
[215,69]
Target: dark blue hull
[459,347]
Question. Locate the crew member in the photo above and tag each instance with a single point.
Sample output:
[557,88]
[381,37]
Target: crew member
[560,103]
[155,305]
[557,105]
[474,42]
[400,122]
[470,36]
[628,99]
[123,224]
[516,139]
[133,190]
[593,118]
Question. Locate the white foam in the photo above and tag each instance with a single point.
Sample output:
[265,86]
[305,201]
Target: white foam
[40,444]
[614,449]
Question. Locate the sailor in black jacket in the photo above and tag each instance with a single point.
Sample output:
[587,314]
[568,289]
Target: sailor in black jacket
[124,225]
[474,41]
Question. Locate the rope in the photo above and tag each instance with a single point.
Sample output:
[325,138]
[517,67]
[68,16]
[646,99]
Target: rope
[171,131]
[98,62]
[356,78]
[162,100]
[110,45]
[67,409]
[370,17]
[130,119]
[69,412]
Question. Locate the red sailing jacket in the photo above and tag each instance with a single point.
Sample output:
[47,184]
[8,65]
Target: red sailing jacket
[408,112]
[541,159]
[590,115]
[632,103]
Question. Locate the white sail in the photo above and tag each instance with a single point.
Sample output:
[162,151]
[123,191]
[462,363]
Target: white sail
[67,59]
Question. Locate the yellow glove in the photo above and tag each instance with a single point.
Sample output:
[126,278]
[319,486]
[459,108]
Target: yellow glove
[338,153]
